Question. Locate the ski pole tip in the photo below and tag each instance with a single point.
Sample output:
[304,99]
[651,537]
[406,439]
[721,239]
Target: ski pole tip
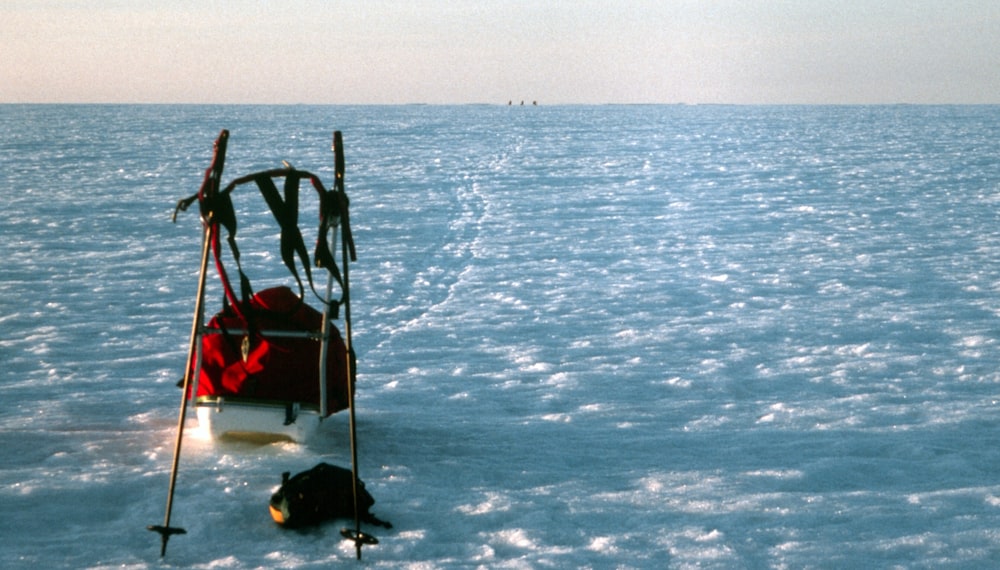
[359,538]
[165,533]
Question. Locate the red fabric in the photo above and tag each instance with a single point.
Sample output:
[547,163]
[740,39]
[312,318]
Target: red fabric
[277,368]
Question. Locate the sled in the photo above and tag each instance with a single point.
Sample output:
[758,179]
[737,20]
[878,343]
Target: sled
[268,365]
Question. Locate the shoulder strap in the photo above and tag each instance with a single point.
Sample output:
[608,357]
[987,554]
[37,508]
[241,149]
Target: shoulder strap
[329,218]
[286,212]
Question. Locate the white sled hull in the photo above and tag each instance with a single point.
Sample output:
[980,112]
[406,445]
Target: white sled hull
[227,419]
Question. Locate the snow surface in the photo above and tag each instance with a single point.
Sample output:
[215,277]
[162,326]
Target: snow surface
[637,337]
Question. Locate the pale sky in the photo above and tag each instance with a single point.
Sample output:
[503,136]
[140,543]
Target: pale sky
[492,51]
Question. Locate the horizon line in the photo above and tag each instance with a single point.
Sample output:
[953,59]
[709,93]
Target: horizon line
[487,104]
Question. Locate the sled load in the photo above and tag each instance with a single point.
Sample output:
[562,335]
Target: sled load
[267,364]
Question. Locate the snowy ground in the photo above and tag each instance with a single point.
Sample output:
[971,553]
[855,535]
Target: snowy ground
[646,337]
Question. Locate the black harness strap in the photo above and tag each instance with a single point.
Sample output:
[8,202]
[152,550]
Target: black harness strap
[338,188]
[329,217]
[286,212]
[220,205]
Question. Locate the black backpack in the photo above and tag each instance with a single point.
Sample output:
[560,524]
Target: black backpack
[322,493]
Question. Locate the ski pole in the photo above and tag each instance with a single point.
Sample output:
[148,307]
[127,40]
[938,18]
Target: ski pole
[209,189]
[355,535]
[165,530]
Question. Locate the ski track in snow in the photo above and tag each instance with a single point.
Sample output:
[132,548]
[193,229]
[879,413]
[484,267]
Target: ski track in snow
[638,337]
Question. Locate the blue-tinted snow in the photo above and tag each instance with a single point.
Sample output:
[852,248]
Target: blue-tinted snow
[588,336]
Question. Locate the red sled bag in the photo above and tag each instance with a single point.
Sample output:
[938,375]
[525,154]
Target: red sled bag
[243,361]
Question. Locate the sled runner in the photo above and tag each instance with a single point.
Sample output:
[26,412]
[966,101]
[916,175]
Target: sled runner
[268,365]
